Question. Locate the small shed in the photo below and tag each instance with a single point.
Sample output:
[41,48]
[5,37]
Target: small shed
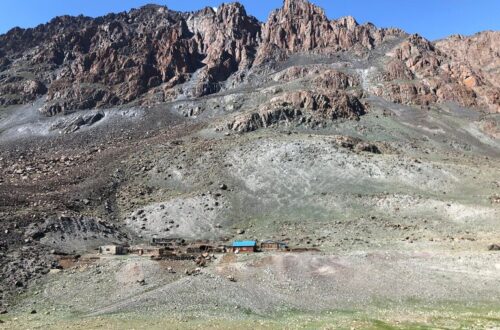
[271,245]
[148,251]
[243,246]
[164,241]
[113,249]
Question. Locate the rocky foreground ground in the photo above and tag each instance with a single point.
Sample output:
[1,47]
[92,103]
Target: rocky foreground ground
[377,148]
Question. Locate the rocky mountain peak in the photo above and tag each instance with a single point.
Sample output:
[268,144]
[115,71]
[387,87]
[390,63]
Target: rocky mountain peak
[82,62]
[300,8]
[152,6]
[299,26]
[230,9]
[347,22]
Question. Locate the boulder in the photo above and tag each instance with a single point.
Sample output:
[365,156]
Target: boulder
[494,247]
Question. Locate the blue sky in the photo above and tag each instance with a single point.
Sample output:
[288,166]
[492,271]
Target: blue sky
[431,18]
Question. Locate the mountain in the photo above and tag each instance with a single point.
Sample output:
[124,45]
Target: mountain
[143,55]
[481,54]
[372,153]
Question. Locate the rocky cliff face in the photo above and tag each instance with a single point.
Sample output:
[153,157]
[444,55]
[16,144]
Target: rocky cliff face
[480,51]
[439,74]
[115,59]
[153,54]
[418,73]
[303,27]
[481,55]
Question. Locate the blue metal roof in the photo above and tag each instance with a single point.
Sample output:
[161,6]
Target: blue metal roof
[244,243]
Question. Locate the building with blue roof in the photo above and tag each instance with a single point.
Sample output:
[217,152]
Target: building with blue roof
[244,246]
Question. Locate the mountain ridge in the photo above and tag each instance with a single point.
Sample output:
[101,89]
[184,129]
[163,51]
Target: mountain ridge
[119,58]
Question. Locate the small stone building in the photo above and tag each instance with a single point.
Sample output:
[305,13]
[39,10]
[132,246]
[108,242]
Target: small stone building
[113,250]
[271,245]
[148,251]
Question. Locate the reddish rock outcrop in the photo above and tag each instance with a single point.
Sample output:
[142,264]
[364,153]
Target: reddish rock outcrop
[16,90]
[301,107]
[144,56]
[480,51]
[300,26]
[419,73]
[117,58]
[228,37]
[478,61]
[335,80]
[323,77]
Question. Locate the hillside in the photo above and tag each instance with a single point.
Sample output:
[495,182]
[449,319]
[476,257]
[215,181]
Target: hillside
[375,150]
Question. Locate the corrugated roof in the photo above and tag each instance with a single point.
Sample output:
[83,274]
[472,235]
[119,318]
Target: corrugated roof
[244,243]
[269,241]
